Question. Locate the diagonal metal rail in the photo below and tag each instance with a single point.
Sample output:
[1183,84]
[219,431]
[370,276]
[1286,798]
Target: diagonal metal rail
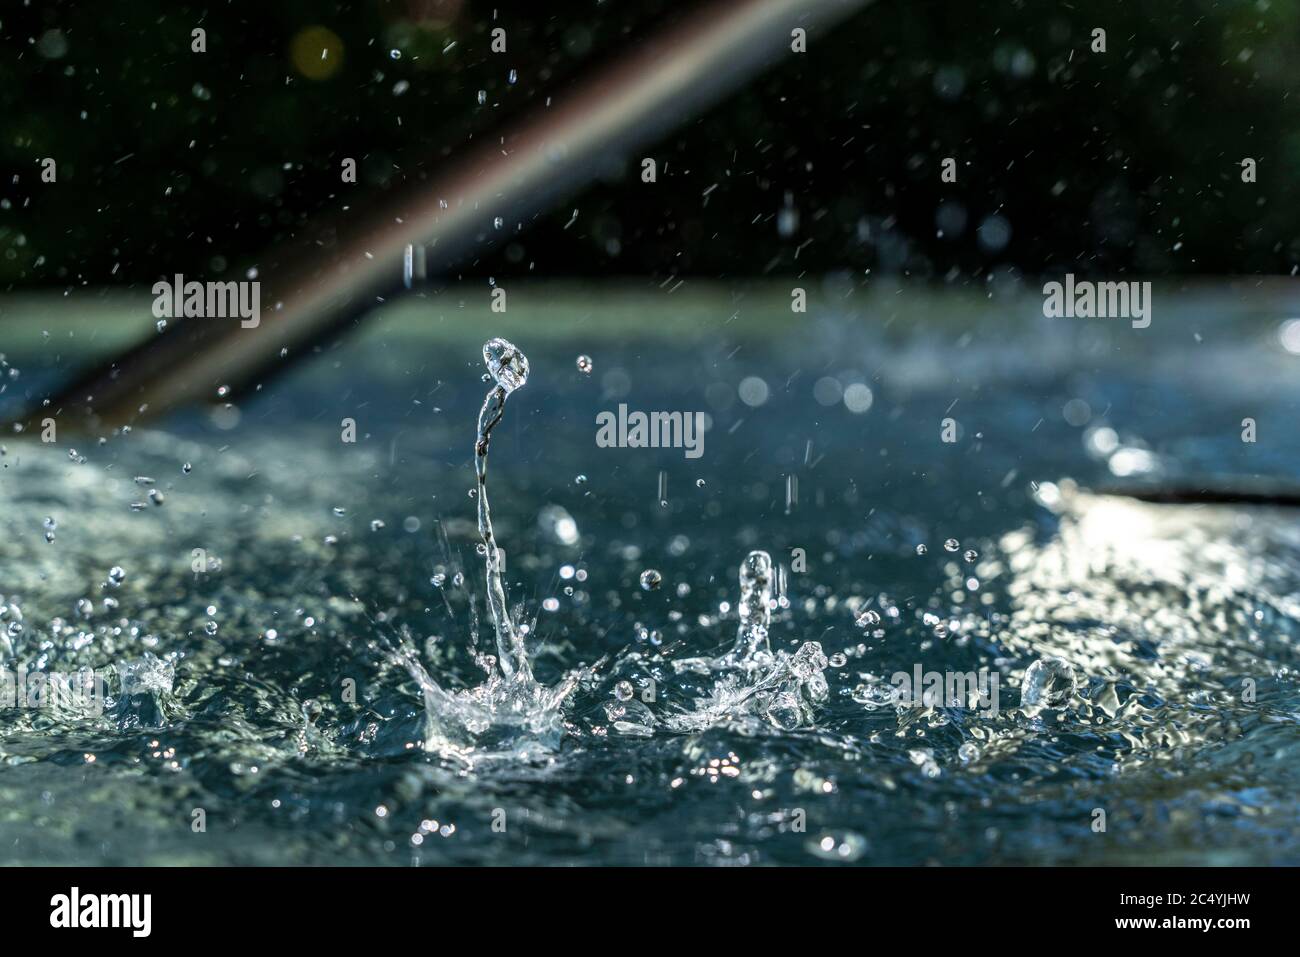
[331,277]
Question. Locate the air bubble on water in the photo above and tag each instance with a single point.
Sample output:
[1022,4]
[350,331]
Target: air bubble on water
[376,524]
[394,54]
[699,483]
[952,545]
[624,691]
[187,468]
[651,579]
[585,364]
[970,555]
[210,627]
[968,752]
[1048,682]
[580,480]
[116,575]
[921,549]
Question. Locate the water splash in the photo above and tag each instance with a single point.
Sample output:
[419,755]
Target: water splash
[781,688]
[509,369]
[510,714]
[754,608]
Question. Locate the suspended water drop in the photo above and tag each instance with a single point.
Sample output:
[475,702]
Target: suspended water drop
[512,77]
[506,364]
[651,579]
[585,364]
[970,555]
[921,549]
[482,97]
[1049,681]
[699,483]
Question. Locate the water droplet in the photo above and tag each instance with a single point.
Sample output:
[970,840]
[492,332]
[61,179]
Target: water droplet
[970,555]
[507,365]
[1049,681]
[651,579]
[482,97]
[952,544]
[584,364]
[623,691]
[395,54]
[868,618]
[921,549]
[699,483]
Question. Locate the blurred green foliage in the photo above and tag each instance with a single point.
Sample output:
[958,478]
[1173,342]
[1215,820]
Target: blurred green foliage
[174,161]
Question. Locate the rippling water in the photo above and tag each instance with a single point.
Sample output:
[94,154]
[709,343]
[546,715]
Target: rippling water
[281,689]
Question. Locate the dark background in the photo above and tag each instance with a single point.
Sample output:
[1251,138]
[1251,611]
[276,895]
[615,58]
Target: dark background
[1127,161]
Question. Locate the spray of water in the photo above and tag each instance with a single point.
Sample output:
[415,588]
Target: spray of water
[509,370]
